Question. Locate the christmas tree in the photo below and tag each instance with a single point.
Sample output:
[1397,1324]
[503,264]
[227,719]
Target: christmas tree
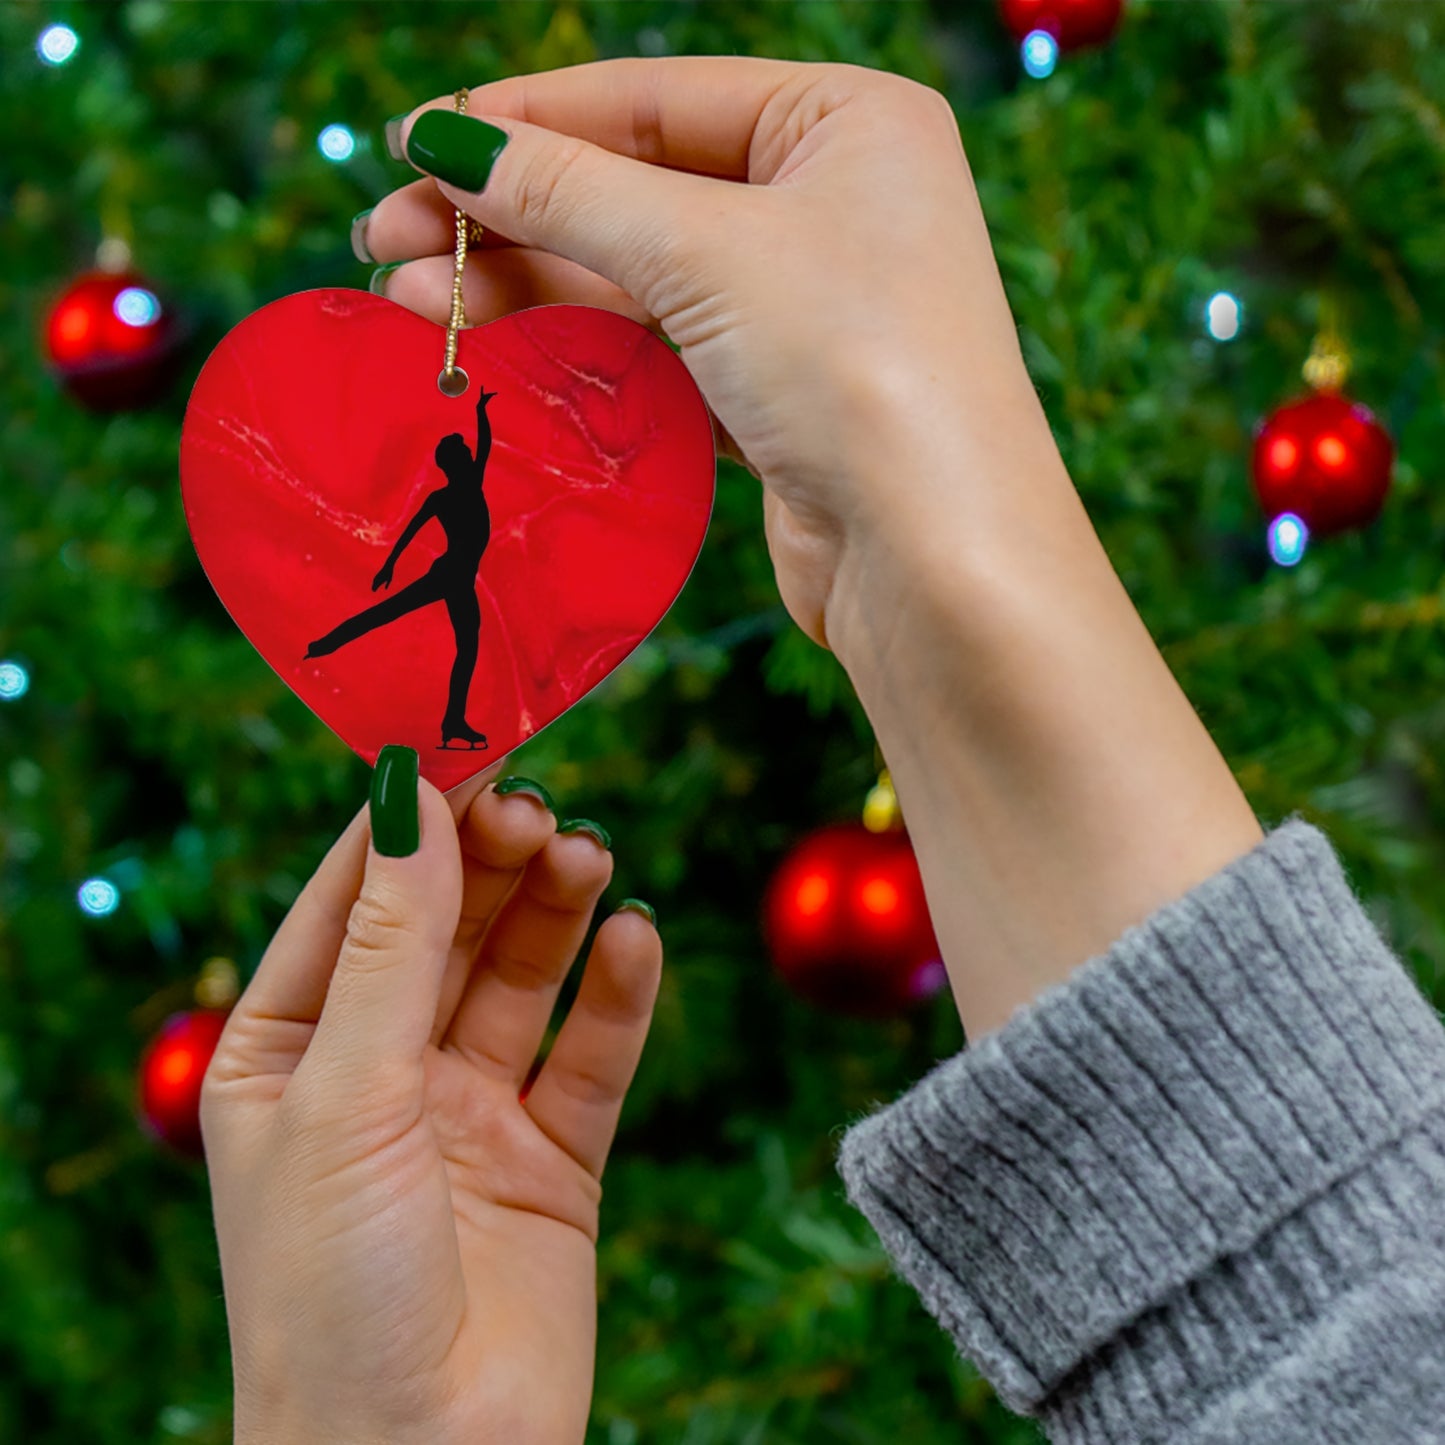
[1180,214]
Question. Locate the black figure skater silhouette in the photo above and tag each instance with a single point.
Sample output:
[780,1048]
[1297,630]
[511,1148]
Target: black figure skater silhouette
[461,508]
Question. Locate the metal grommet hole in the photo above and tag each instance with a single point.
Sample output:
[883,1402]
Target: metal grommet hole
[453,382]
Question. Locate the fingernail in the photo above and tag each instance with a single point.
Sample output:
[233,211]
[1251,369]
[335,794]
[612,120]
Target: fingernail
[377,284]
[526,785]
[395,826]
[636,905]
[359,248]
[455,148]
[586,825]
[393,137]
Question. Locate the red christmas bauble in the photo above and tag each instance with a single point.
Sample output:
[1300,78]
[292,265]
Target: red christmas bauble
[111,340]
[1324,458]
[847,924]
[171,1071]
[1073,23]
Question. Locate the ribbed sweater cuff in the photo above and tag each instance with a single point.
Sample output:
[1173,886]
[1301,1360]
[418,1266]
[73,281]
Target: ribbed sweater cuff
[1133,1155]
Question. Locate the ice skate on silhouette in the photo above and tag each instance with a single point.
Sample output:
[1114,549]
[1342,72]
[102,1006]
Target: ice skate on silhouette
[461,508]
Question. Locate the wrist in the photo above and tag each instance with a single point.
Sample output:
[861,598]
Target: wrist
[955,511]
[1056,782]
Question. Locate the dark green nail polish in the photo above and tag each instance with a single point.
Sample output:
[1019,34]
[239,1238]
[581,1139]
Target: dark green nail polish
[526,785]
[395,826]
[377,284]
[636,905]
[359,248]
[393,136]
[586,825]
[455,148]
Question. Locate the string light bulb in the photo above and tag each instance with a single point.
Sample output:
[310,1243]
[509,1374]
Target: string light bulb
[1223,316]
[98,897]
[336,143]
[1288,538]
[14,681]
[1040,54]
[57,44]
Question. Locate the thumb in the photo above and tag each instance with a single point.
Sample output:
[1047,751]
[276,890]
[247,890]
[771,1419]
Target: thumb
[628,221]
[382,999]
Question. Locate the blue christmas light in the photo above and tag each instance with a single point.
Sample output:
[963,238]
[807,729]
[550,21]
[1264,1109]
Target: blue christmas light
[14,681]
[336,143]
[57,44]
[1223,316]
[1288,538]
[98,897]
[136,306]
[1040,52]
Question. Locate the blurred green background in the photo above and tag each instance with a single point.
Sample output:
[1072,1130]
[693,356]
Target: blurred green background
[1292,154]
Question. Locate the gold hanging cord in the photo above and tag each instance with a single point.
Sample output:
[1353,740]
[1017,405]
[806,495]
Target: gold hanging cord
[453,380]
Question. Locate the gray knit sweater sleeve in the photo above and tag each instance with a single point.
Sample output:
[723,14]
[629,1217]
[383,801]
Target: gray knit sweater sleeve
[1197,1191]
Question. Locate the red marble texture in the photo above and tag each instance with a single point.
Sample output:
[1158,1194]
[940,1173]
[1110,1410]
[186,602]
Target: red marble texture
[308,445]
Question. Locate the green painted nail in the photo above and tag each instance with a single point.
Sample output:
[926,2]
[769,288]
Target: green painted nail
[359,248]
[395,825]
[526,785]
[586,825]
[393,136]
[377,284]
[636,905]
[455,148]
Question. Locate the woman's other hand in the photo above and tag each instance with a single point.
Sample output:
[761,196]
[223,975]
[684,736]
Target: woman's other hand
[407,1245]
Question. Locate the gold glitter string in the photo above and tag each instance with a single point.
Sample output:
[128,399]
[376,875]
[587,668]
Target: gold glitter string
[453,380]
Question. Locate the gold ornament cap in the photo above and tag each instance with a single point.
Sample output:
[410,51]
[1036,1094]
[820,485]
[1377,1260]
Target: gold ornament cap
[881,813]
[1328,365]
[219,985]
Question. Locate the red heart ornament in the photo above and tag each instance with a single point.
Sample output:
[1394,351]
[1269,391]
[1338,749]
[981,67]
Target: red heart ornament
[547,528]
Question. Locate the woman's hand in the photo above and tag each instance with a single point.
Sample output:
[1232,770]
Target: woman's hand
[407,1247]
[382,578]
[844,296]
[811,238]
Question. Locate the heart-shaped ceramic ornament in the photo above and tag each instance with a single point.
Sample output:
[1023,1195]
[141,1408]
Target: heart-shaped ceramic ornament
[449,573]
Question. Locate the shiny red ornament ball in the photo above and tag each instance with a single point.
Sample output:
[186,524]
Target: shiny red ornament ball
[1073,23]
[1326,459]
[111,340]
[171,1071]
[847,924]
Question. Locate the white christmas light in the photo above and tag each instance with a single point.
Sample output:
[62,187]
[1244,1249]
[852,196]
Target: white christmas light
[14,681]
[1040,52]
[136,306]
[336,143]
[57,44]
[98,897]
[1223,316]
[1288,537]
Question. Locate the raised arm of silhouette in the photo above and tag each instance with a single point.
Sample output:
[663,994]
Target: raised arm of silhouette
[427,509]
[484,434]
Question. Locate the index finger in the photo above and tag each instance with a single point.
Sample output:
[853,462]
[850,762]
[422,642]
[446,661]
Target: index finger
[697,113]
[291,981]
